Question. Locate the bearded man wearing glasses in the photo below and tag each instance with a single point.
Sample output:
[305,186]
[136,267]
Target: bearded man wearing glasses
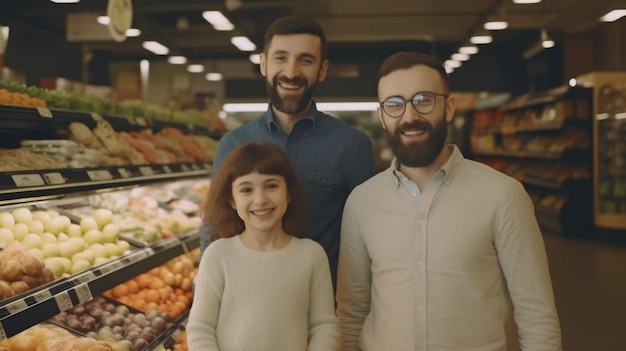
[438,251]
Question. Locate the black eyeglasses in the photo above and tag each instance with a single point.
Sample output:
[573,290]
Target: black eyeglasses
[423,102]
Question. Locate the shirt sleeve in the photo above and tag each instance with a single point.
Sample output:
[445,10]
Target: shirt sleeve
[322,318]
[353,282]
[522,256]
[203,316]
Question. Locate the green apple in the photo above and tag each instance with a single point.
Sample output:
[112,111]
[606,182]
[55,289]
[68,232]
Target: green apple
[35,226]
[123,246]
[79,242]
[74,230]
[83,255]
[79,266]
[6,235]
[56,265]
[32,241]
[50,250]
[48,238]
[20,231]
[102,216]
[93,236]
[98,250]
[54,225]
[40,216]
[7,221]
[110,233]
[100,260]
[88,223]
[112,249]
[52,213]
[22,215]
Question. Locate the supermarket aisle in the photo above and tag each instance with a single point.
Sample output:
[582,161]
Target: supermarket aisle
[590,290]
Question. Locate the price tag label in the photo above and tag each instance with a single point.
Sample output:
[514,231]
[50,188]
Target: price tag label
[124,172]
[44,112]
[131,120]
[63,300]
[96,116]
[195,167]
[147,171]
[100,175]
[83,293]
[17,306]
[167,169]
[190,126]
[3,335]
[149,251]
[110,267]
[26,180]
[136,256]
[141,121]
[54,178]
[42,295]
[167,244]
[185,168]
[185,248]
[84,278]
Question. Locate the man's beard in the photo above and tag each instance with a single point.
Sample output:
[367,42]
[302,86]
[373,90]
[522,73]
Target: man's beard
[290,105]
[422,153]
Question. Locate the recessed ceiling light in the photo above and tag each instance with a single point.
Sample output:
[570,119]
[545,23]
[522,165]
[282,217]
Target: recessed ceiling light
[133,32]
[213,77]
[495,25]
[255,58]
[460,57]
[104,20]
[526,1]
[548,43]
[481,39]
[195,68]
[452,63]
[65,1]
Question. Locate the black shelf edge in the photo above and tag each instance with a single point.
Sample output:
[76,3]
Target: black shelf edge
[28,185]
[39,304]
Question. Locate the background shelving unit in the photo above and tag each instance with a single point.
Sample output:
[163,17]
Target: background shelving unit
[50,186]
[544,141]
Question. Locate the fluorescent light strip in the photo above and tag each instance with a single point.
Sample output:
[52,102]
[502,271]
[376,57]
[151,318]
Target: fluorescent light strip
[65,1]
[322,106]
[452,63]
[155,47]
[614,15]
[133,32]
[620,115]
[243,43]
[218,20]
[460,57]
[104,20]
[255,58]
[526,1]
[547,43]
[213,77]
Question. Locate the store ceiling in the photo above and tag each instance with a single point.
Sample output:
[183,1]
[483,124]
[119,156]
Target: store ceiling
[355,28]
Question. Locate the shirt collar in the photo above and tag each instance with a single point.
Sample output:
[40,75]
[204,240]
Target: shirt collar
[268,117]
[447,171]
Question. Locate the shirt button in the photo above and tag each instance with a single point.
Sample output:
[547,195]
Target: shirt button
[323,180]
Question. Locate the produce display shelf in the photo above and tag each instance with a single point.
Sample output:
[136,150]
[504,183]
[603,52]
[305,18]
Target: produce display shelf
[15,186]
[37,305]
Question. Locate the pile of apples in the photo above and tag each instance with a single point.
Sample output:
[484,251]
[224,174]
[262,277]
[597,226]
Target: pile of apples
[65,247]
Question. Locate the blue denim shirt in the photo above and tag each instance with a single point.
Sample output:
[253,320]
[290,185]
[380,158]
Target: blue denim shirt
[331,159]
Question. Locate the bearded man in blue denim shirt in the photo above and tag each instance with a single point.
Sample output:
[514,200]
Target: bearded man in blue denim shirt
[330,157]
